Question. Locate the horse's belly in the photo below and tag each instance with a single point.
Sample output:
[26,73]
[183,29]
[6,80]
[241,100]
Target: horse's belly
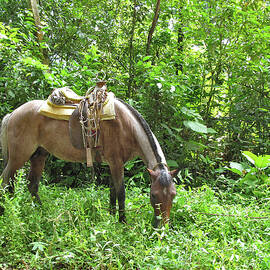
[69,155]
[54,137]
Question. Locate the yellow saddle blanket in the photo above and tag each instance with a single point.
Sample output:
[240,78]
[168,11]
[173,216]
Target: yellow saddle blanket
[63,112]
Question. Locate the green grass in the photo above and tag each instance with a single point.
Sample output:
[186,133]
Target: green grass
[73,230]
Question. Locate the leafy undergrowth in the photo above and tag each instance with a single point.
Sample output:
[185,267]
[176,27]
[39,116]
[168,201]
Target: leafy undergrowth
[73,230]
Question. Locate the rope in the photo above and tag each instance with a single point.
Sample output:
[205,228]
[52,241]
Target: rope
[91,125]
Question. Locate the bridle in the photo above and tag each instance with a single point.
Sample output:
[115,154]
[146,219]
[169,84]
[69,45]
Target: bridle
[158,164]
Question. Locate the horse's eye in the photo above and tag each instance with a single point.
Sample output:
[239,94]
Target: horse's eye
[153,196]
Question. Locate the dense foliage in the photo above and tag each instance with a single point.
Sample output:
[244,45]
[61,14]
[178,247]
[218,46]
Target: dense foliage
[74,230]
[199,73]
[203,84]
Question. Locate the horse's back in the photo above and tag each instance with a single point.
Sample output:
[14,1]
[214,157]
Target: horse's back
[28,130]
[23,121]
[29,107]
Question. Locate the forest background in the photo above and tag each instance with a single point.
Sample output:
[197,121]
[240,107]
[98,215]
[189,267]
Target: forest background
[198,71]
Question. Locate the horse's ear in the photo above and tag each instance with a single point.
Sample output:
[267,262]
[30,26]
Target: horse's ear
[174,172]
[152,173]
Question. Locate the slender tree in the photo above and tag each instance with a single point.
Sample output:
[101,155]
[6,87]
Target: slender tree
[153,26]
[131,50]
[180,40]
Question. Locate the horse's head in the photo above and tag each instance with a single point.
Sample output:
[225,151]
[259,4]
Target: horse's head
[162,193]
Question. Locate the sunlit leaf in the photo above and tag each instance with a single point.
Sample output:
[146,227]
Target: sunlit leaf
[236,168]
[262,161]
[250,156]
[211,130]
[196,126]
[190,112]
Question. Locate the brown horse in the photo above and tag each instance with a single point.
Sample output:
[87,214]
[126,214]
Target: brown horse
[28,135]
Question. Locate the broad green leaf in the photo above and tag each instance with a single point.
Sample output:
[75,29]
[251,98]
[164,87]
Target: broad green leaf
[190,112]
[11,93]
[237,167]
[250,156]
[196,126]
[211,130]
[249,179]
[234,170]
[172,163]
[262,162]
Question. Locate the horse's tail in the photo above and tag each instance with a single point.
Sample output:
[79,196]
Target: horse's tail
[4,138]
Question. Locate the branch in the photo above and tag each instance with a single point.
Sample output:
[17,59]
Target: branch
[154,23]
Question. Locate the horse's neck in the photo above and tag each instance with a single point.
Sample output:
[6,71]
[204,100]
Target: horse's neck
[152,153]
[150,150]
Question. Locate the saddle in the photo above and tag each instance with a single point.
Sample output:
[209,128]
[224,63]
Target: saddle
[63,97]
[83,113]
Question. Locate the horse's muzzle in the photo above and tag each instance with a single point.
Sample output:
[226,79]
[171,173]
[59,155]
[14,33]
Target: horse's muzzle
[159,221]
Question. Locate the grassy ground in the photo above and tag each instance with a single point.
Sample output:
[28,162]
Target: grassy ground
[73,230]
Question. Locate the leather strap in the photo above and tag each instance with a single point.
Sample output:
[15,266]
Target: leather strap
[158,164]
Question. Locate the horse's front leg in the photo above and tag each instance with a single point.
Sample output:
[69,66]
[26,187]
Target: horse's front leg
[112,198]
[121,203]
[117,190]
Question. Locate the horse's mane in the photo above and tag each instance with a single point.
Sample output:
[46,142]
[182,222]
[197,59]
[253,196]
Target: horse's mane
[146,128]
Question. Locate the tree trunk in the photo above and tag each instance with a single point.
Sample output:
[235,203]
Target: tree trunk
[152,29]
[39,33]
[131,52]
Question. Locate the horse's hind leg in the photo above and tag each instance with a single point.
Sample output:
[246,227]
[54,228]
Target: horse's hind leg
[16,160]
[37,165]
[7,184]
[8,179]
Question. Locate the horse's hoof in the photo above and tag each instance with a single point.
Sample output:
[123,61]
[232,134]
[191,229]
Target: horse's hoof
[36,199]
[123,220]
